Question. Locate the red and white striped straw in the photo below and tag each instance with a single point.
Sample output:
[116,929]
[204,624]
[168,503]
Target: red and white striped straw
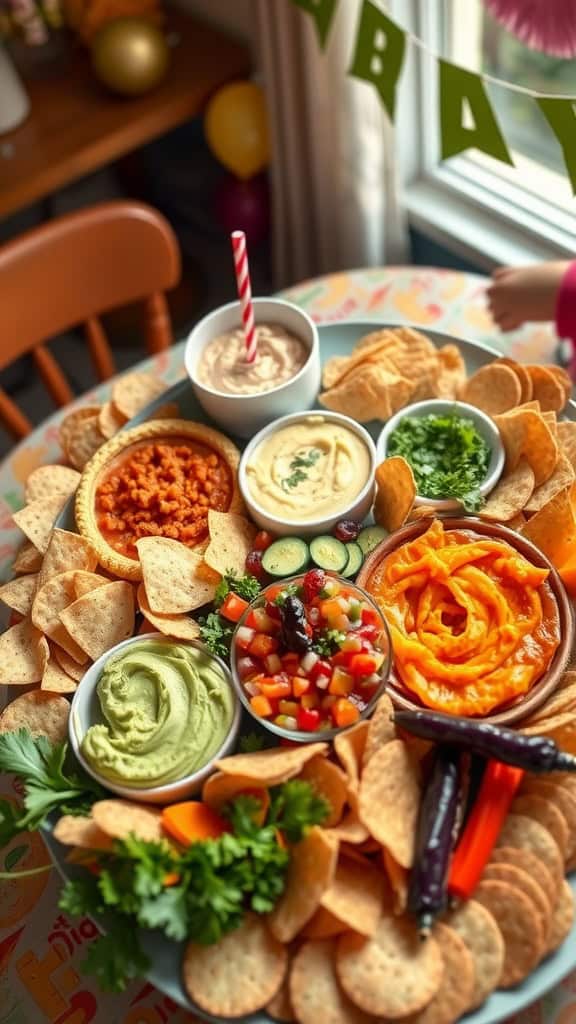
[244,293]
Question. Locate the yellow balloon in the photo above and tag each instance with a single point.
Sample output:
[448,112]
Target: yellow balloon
[236,128]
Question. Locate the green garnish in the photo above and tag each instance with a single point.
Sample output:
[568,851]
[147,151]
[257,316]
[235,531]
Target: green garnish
[290,590]
[246,587]
[297,466]
[250,743]
[49,785]
[218,881]
[449,458]
[216,633]
[328,642]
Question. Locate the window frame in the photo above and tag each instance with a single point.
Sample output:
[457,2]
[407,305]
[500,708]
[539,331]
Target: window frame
[482,216]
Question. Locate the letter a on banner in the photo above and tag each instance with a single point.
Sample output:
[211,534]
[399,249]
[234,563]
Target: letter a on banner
[458,91]
[561,116]
[379,54]
[322,11]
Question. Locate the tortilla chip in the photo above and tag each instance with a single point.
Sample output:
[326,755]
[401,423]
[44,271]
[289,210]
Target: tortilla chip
[81,832]
[493,388]
[311,871]
[389,800]
[110,420]
[350,830]
[70,667]
[546,388]
[66,551]
[381,728]
[119,819]
[368,392]
[525,432]
[511,494]
[48,481]
[323,925]
[69,424]
[219,788]
[231,540]
[37,520]
[133,391]
[553,528]
[334,370]
[562,477]
[101,618]
[356,895]
[179,627]
[84,440]
[42,714]
[349,746]
[524,378]
[28,559]
[395,493]
[169,575]
[273,766]
[330,782]
[452,374]
[567,440]
[50,600]
[56,680]
[21,655]
[398,877]
[18,593]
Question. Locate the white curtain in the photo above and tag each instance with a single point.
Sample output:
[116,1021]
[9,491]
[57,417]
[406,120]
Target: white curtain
[335,188]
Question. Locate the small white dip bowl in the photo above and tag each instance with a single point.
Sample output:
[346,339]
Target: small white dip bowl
[440,407]
[85,711]
[357,509]
[244,415]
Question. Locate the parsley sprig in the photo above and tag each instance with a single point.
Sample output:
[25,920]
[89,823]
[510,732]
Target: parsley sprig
[297,466]
[215,631]
[246,586]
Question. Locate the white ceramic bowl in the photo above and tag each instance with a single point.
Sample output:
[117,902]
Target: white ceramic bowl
[85,711]
[244,415]
[485,427]
[358,509]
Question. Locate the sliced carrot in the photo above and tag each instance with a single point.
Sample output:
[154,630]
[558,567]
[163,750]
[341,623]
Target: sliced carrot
[568,575]
[192,821]
[172,878]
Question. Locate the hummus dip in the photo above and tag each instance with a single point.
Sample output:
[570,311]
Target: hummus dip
[308,469]
[223,367]
[167,708]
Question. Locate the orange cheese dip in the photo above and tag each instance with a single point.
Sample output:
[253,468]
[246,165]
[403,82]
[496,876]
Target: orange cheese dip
[473,623]
[162,489]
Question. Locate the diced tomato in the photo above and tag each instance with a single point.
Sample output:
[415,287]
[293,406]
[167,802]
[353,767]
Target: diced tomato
[288,707]
[246,667]
[233,607]
[364,664]
[262,540]
[344,713]
[367,632]
[259,620]
[342,683]
[321,668]
[341,658]
[261,706]
[370,617]
[290,663]
[244,637]
[273,611]
[262,645]
[328,702]
[275,686]
[300,685]
[310,700]
[308,719]
[273,664]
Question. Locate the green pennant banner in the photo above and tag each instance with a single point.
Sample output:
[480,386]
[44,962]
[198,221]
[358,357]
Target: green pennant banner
[561,116]
[458,89]
[323,12]
[379,54]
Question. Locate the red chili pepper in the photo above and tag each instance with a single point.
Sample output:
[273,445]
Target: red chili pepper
[308,720]
[483,827]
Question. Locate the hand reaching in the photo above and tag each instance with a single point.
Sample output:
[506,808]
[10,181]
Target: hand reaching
[521,294]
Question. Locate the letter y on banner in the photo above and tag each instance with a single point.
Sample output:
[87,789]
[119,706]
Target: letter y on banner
[561,116]
[323,12]
[459,90]
[379,54]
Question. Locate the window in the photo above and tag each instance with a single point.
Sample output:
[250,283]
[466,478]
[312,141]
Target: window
[512,214]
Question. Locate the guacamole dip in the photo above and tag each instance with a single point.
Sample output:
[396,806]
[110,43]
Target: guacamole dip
[167,709]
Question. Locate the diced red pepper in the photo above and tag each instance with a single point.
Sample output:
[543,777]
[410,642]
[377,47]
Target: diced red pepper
[290,663]
[364,664]
[321,668]
[233,607]
[275,687]
[263,645]
[308,719]
[370,617]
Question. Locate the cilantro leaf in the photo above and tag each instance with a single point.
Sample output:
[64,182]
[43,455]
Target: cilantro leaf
[246,587]
[294,807]
[297,466]
[250,743]
[216,633]
[168,911]
[81,896]
[116,959]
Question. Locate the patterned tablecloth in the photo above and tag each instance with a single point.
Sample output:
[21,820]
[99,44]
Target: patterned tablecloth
[40,948]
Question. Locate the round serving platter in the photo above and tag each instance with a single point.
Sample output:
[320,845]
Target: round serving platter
[166,957]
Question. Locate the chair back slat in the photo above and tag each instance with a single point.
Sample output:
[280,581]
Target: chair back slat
[15,421]
[56,384]
[157,323]
[99,349]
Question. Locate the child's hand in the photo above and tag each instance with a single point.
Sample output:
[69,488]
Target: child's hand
[520,294]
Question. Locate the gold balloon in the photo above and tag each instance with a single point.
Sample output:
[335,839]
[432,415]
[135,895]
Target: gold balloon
[236,128]
[130,56]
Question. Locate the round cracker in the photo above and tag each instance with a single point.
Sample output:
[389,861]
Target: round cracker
[561,797]
[493,388]
[524,940]
[40,712]
[238,975]
[280,1006]
[121,818]
[477,928]
[542,810]
[315,992]
[522,880]
[455,995]
[81,832]
[392,974]
[529,863]
[523,376]
[562,918]
[527,834]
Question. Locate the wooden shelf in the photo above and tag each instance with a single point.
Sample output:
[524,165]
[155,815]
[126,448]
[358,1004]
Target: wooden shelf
[76,126]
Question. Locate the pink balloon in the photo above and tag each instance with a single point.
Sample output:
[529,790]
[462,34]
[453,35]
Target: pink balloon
[244,206]
[546,25]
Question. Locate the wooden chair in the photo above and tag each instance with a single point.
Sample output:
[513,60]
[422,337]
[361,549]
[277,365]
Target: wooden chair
[69,271]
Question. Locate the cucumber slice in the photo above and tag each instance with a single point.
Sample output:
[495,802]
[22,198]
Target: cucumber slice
[355,559]
[370,537]
[287,556]
[329,553]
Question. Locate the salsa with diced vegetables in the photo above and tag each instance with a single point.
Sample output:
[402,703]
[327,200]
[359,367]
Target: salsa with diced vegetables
[311,653]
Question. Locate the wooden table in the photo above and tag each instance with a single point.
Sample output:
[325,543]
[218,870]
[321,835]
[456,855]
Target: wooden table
[76,126]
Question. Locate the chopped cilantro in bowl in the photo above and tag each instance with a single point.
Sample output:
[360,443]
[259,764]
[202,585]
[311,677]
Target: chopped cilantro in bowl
[449,456]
